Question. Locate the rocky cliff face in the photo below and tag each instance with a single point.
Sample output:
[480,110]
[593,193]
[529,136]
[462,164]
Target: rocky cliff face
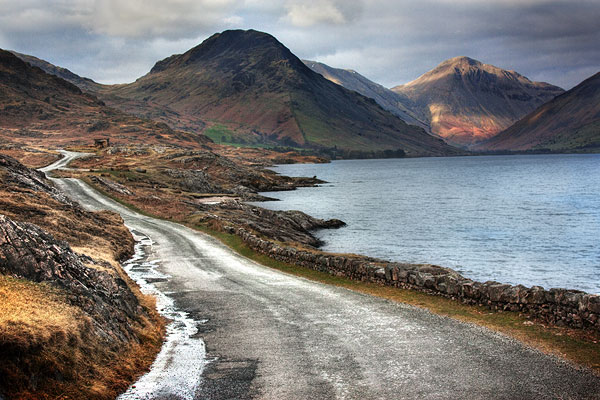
[466,101]
[28,252]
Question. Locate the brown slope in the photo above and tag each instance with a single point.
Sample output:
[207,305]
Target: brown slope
[466,101]
[569,122]
[36,107]
[251,84]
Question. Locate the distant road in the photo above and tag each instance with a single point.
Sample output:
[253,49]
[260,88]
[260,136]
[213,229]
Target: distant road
[269,335]
[68,156]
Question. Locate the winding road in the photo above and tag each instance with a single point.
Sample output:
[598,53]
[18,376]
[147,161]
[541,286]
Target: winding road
[269,335]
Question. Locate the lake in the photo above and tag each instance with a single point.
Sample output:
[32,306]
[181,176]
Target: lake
[533,220]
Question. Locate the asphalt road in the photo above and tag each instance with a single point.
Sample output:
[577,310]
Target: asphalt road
[268,335]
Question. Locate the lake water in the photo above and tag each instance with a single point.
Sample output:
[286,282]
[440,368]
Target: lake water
[533,220]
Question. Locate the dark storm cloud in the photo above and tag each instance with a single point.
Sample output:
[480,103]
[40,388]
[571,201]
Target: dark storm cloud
[389,41]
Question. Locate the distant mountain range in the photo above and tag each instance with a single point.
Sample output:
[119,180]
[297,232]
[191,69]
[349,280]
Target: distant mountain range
[462,100]
[246,88]
[569,122]
[37,107]
[465,101]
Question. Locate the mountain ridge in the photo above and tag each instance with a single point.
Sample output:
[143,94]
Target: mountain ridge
[41,107]
[397,104]
[85,84]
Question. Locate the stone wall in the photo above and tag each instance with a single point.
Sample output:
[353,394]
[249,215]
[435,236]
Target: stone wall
[559,307]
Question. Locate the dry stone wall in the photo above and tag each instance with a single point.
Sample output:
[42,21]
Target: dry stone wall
[559,307]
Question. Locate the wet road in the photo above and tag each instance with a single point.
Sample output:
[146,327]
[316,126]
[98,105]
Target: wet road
[269,335]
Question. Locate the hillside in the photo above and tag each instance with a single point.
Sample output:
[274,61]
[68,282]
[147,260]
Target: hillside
[466,101]
[72,324]
[252,90]
[84,84]
[570,122]
[393,102]
[37,107]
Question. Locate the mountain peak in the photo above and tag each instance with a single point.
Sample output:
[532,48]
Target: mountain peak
[466,101]
[466,66]
[228,45]
[462,60]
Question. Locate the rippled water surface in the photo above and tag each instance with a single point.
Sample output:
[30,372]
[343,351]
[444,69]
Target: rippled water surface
[533,220]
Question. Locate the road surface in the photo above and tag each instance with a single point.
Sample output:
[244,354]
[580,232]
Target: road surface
[268,335]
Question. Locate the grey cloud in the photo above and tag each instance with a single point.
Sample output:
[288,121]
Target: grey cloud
[389,41]
[309,13]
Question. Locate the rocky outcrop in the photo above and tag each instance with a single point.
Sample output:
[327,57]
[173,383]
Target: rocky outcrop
[28,252]
[79,328]
[194,181]
[281,226]
[207,172]
[111,185]
[17,175]
[26,195]
[560,307]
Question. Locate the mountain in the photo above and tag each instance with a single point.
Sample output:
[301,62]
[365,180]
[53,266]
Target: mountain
[39,107]
[84,84]
[569,122]
[395,103]
[251,89]
[466,101]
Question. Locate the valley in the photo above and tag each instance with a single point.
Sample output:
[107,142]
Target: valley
[165,176]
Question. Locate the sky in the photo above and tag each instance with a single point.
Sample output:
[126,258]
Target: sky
[389,41]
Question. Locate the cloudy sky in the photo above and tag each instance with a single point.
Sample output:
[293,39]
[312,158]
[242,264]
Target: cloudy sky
[389,41]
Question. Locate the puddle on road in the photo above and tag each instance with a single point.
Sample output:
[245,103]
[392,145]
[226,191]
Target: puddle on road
[176,373]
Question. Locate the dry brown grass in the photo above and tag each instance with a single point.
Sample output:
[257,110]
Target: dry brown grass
[37,312]
[48,351]
[32,157]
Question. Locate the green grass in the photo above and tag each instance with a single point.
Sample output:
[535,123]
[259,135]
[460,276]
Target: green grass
[222,135]
[219,133]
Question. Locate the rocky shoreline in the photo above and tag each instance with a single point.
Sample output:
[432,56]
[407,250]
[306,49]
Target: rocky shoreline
[561,307]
